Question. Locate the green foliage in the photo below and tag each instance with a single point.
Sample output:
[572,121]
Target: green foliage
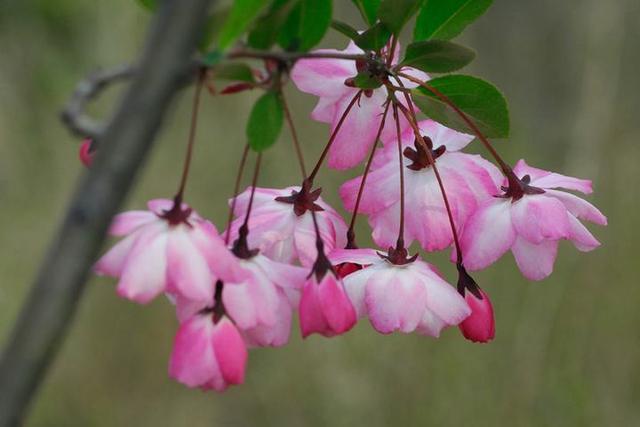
[148,4]
[366,81]
[437,56]
[368,9]
[265,122]
[212,28]
[344,28]
[242,14]
[479,100]
[306,25]
[445,19]
[268,27]
[374,38]
[396,13]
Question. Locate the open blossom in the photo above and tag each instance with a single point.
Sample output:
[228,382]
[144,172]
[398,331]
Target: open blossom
[468,179]
[405,298]
[208,353]
[167,249]
[531,224]
[283,229]
[326,79]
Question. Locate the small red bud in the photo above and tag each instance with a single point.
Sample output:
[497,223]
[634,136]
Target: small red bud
[235,88]
[85,154]
[480,325]
[346,268]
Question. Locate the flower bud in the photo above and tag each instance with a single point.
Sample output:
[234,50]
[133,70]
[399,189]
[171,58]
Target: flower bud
[84,153]
[480,325]
[325,307]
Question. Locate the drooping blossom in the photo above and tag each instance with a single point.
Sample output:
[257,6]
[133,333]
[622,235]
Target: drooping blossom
[324,307]
[329,79]
[529,221]
[208,353]
[168,248]
[468,179]
[282,225]
[480,326]
[401,298]
[85,152]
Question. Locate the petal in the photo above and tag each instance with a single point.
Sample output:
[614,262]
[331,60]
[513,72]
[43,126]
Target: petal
[582,239]
[431,324]
[357,256]
[395,300]
[230,351]
[112,263]
[144,274]
[252,302]
[545,179]
[487,234]
[538,218]
[535,260]
[323,77]
[579,207]
[442,135]
[187,268]
[381,189]
[221,261]
[276,335]
[336,306]
[281,274]
[192,360]
[126,222]
[311,317]
[442,298]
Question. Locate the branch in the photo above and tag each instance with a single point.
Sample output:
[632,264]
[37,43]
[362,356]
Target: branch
[125,143]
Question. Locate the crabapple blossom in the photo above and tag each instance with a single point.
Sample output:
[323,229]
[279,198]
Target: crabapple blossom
[480,325]
[208,353]
[401,297]
[168,248]
[282,225]
[529,220]
[468,179]
[329,79]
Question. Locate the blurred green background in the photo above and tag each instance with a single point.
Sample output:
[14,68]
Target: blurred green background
[567,350]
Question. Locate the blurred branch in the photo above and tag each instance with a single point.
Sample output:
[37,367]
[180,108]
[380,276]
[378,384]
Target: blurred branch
[126,140]
[73,115]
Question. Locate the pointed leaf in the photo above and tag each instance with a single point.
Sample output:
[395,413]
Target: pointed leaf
[396,13]
[265,122]
[368,9]
[479,100]
[268,27]
[345,29]
[437,56]
[306,25]
[445,19]
[242,14]
[374,38]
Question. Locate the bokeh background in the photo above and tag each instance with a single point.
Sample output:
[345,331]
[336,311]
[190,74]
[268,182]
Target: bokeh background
[567,351]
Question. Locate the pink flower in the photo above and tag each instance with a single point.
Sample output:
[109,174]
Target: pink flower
[261,305]
[283,229]
[324,306]
[404,298]
[530,222]
[480,325]
[207,354]
[326,78]
[167,249]
[468,179]
[84,153]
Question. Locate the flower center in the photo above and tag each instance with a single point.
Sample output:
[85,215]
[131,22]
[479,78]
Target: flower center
[419,157]
[303,200]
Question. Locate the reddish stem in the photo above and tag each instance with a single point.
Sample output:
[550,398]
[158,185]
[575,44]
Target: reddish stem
[400,243]
[236,188]
[294,134]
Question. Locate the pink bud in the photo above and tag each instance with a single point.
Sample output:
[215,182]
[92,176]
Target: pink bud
[85,154]
[480,325]
[325,307]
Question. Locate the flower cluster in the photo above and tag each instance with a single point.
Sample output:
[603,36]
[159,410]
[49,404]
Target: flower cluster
[286,251]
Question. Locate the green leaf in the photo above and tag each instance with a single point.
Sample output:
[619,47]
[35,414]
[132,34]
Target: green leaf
[374,38]
[366,81]
[212,28]
[150,5]
[437,56]
[212,58]
[345,29]
[480,101]
[267,28]
[445,19]
[234,71]
[265,122]
[306,25]
[396,13]
[242,14]
[368,9]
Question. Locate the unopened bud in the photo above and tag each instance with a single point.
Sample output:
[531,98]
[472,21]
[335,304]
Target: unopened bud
[84,153]
[480,325]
